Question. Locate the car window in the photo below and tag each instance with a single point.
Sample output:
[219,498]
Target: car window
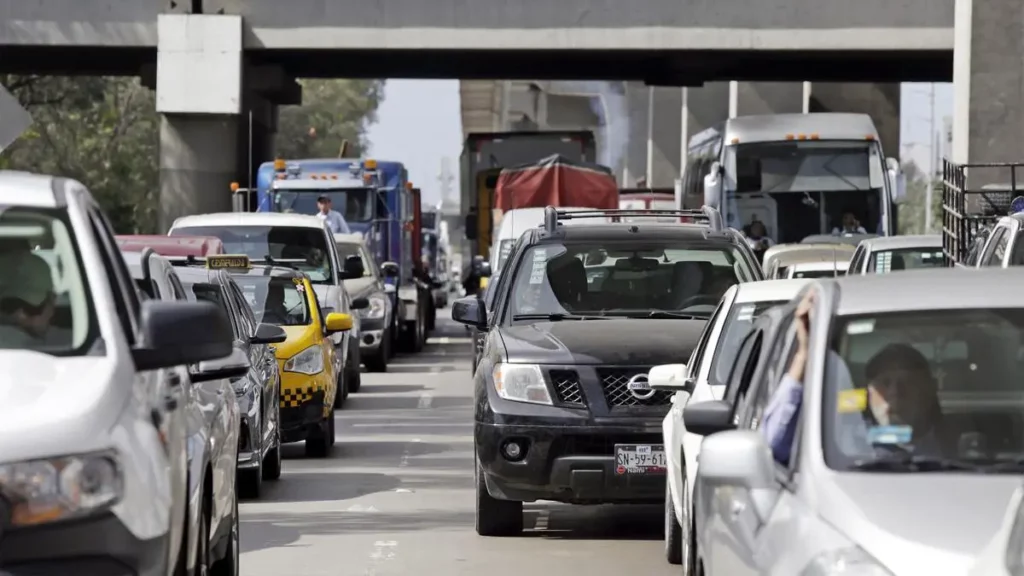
[242,309]
[885,261]
[631,279]
[698,352]
[742,380]
[205,292]
[45,302]
[305,248]
[737,326]
[345,251]
[944,382]
[997,247]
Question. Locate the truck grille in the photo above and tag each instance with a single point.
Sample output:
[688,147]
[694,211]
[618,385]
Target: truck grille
[615,381]
[567,387]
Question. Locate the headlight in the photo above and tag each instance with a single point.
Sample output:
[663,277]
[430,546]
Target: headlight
[378,304]
[42,491]
[309,361]
[521,383]
[851,561]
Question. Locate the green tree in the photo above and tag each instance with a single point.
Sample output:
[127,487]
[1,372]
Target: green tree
[332,112]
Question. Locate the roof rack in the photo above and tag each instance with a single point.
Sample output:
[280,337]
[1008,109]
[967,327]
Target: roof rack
[705,214]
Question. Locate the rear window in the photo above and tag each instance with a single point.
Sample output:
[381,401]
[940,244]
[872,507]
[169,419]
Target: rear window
[909,259]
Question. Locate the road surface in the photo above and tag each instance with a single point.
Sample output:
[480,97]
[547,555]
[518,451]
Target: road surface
[395,497]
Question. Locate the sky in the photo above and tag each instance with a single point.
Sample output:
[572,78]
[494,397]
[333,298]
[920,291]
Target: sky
[419,123]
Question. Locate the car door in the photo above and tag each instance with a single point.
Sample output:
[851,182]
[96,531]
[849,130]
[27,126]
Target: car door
[263,358]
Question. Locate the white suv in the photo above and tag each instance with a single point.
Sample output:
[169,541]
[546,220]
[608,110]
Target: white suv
[92,440]
[703,378]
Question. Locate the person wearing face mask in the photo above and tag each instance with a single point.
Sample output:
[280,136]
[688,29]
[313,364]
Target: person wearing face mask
[28,303]
[902,395]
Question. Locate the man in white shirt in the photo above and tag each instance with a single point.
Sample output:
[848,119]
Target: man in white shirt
[850,226]
[335,221]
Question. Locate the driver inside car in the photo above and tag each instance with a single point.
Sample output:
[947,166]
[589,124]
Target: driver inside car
[903,396]
[28,302]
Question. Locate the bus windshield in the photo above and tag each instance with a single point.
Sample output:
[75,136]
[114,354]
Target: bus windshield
[799,188]
[354,204]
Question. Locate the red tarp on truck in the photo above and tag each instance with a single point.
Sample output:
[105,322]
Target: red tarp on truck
[556,181]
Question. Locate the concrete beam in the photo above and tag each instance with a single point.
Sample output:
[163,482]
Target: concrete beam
[880,101]
[199,64]
[752,98]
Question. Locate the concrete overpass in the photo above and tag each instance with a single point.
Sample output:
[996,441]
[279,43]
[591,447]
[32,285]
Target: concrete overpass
[213,60]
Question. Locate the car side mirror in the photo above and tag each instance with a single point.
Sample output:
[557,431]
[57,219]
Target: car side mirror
[234,365]
[713,187]
[360,304]
[179,333]
[670,378]
[336,322]
[389,269]
[470,222]
[485,270]
[353,268]
[897,180]
[268,334]
[740,459]
[706,418]
[470,311]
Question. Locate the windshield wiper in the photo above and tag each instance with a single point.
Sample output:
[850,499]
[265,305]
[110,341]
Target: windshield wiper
[905,461]
[555,317]
[673,315]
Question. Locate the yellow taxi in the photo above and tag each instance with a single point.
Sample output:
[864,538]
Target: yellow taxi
[309,385]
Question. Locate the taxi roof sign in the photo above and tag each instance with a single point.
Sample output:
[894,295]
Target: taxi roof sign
[172,246]
[228,261]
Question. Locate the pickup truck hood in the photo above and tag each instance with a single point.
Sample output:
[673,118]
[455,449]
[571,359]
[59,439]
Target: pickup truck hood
[623,342]
[50,404]
[360,287]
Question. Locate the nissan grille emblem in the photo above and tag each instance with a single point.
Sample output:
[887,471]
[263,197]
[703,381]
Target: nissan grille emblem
[639,387]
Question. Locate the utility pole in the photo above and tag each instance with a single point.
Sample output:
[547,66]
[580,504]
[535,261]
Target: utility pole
[447,180]
[932,164]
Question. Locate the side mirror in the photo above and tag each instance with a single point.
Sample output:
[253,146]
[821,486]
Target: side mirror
[235,365]
[485,269]
[470,225]
[707,418]
[470,311]
[360,304]
[713,187]
[268,334]
[670,378]
[389,269]
[897,180]
[740,459]
[336,322]
[178,333]
[353,268]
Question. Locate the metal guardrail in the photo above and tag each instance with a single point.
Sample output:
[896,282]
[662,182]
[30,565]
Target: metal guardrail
[967,209]
[705,215]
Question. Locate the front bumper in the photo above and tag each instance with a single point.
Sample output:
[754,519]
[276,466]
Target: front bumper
[97,546]
[566,463]
[302,413]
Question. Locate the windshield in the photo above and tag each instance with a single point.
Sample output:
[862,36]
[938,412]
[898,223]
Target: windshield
[907,259]
[736,327]
[345,251]
[354,204]
[797,189]
[936,384]
[276,300]
[44,296]
[632,278]
[303,248]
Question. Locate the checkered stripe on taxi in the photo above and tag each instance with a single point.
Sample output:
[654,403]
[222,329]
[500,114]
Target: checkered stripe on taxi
[295,397]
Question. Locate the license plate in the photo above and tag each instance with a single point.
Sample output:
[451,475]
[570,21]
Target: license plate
[639,458]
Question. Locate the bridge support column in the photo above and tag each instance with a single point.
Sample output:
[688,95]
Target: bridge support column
[199,96]
[751,98]
[880,101]
[988,118]
[654,152]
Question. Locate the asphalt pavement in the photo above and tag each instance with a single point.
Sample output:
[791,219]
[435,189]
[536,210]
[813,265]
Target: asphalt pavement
[395,497]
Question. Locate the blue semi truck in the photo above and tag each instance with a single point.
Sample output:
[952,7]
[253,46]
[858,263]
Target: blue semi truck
[378,201]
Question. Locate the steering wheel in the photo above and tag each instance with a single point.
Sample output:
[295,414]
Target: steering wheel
[698,300]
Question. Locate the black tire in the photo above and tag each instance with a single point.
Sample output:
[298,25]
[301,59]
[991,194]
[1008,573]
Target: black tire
[250,481]
[673,531]
[411,338]
[330,429]
[272,461]
[496,517]
[202,567]
[377,362]
[229,564]
[318,445]
[340,390]
[692,567]
[354,378]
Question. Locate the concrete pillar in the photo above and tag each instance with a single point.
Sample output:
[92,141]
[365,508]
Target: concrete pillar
[654,114]
[752,98]
[988,86]
[199,128]
[880,101]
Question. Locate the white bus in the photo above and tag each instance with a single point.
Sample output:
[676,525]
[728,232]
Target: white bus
[798,174]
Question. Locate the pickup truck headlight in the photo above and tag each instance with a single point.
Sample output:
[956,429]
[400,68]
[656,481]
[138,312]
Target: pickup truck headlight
[55,489]
[521,383]
[852,561]
[378,304]
[309,361]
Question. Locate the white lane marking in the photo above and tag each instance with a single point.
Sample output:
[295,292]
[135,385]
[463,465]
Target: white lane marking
[403,491]
[383,551]
[443,340]
[435,369]
[358,508]
[411,425]
[425,400]
[417,440]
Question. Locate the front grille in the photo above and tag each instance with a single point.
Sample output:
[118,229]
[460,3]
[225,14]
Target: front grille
[567,387]
[600,444]
[615,383]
